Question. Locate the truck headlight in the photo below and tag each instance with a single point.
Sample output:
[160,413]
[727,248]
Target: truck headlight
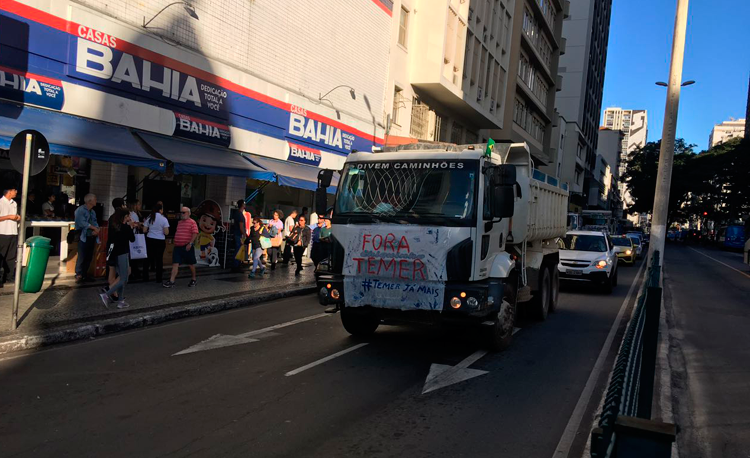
[628,252]
[601,264]
[455,303]
[472,302]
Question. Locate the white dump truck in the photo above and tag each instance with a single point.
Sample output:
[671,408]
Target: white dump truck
[444,233]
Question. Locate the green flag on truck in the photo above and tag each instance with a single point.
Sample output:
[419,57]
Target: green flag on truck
[490,147]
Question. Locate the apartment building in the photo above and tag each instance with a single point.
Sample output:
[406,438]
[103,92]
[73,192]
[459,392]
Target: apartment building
[727,130]
[448,71]
[535,49]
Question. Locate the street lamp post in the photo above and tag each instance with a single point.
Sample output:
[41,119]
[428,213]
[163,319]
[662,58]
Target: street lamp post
[666,152]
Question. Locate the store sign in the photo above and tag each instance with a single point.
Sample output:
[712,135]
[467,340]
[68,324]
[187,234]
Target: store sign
[303,155]
[30,89]
[318,132]
[201,130]
[99,61]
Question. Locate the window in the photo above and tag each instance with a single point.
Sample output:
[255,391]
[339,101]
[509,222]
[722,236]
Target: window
[578,177]
[403,26]
[579,153]
[397,102]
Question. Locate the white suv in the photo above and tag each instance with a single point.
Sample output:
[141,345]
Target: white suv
[588,256]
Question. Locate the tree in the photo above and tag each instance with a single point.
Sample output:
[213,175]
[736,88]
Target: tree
[640,176]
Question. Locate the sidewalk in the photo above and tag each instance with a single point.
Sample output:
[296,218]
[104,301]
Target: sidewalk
[65,311]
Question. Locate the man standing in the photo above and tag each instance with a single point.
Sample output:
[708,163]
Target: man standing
[9,219]
[238,232]
[88,227]
[288,227]
[184,247]
[300,238]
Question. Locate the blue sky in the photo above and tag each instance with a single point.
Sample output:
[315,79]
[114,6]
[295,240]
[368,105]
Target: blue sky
[717,57]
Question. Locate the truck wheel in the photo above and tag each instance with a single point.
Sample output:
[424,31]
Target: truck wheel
[554,296]
[501,332]
[358,325]
[539,304]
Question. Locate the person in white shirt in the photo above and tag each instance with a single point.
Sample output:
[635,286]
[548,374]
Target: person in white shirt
[289,224]
[9,219]
[48,208]
[156,228]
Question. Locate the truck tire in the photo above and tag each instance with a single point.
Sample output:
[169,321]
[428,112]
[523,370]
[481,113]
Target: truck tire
[501,332]
[539,304]
[554,296]
[358,325]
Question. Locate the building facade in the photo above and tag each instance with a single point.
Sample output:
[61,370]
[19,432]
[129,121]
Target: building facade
[535,49]
[448,69]
[192,101]
[727,130]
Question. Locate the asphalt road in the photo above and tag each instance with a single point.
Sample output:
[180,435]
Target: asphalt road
[707,298]
[266,392]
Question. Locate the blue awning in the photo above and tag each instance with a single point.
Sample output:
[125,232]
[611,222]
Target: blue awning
[73,136]
[295,175]
[192,158]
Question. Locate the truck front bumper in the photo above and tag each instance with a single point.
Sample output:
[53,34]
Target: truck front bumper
[464,301]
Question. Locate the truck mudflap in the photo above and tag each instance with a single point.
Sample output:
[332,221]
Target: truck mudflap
[462,301]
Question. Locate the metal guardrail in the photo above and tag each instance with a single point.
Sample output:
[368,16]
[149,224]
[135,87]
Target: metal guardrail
[625,427]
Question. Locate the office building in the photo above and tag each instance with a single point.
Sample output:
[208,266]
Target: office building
[734,128]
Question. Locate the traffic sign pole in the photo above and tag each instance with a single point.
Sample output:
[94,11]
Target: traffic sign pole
[21,229]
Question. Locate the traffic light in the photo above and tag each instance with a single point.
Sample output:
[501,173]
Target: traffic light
[705,213]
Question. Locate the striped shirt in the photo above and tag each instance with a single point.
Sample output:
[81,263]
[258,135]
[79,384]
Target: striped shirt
[186,230]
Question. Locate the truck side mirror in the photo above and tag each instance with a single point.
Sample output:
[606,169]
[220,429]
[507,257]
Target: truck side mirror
[503,201]
[325,177]
[504,174]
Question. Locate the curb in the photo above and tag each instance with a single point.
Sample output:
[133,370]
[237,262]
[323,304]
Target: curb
[36,340]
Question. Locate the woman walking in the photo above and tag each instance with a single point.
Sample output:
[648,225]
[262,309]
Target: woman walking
[275,250]
[120,235]
[156,227]
[256,232]
[137,266]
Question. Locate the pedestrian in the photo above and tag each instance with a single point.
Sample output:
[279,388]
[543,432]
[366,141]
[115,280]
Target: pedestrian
[300,239]
[238,232]
[184,247]
[9,219]
[118,203]
[156,227]
[120,234]
[88,232]
[312,221]
[276,228]
[256,232]
[31,207]
[134,209]
[289,225]
[316,247]
[48,208]
[325,237]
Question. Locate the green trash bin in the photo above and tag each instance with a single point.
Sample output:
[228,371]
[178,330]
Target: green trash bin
[33,275]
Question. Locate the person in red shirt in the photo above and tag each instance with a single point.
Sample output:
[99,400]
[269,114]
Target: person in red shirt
[184,247]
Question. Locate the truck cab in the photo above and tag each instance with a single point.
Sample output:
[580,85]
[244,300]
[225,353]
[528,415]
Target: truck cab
[436,233]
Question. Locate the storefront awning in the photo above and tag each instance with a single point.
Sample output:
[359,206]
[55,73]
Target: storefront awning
[191,158]
[73,136]
[295,175]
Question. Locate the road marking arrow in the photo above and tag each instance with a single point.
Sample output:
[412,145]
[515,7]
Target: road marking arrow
[221,340]
[441,375]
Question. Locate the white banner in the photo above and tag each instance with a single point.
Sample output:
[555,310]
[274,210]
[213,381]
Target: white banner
[396,266]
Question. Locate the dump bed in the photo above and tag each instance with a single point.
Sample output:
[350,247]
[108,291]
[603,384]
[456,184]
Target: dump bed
[548,211]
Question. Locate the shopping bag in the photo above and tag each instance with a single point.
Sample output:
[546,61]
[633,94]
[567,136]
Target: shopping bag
[138,248]
[241,254]
[265,243]
[276,241]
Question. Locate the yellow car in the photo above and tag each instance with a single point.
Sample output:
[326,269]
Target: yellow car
[626,251]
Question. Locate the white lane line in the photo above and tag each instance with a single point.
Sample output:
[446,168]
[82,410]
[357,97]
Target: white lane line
[566,441]
[283,325]
[515,330]
[324,360]
[723,264]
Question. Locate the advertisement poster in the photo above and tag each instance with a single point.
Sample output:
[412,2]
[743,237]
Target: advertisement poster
[396,267]
[208,217]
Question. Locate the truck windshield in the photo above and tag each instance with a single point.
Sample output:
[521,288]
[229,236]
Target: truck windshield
[414,191]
